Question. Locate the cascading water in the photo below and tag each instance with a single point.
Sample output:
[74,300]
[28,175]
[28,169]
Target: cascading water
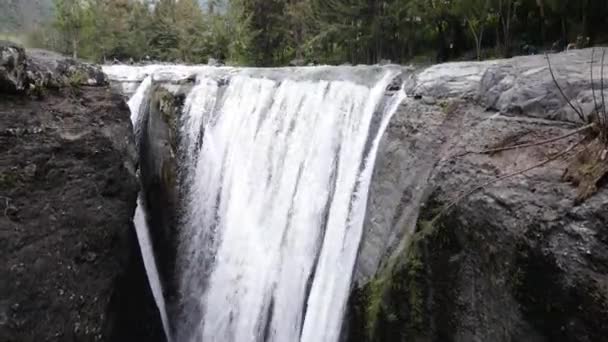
[139,219]
[275,181]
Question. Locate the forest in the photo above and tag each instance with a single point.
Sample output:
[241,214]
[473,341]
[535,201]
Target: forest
[282,32]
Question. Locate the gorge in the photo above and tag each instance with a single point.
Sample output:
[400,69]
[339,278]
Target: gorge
[298,204]
[272,179]
[454,280]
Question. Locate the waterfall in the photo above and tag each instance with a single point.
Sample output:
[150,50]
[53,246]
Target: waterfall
[275,170]
[145,244]
[139,219]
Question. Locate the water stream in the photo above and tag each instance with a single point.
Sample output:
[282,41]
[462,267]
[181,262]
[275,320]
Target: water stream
[276,167]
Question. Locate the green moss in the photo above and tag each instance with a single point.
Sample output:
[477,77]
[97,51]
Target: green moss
[415,276]
[77,78]
[168,110]
[9,180]
[395,301]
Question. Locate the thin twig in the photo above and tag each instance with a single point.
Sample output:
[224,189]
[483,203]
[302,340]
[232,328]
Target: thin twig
[510,175]
[6,205]
[602,86]
[580,114]
[543,142]
[595,108]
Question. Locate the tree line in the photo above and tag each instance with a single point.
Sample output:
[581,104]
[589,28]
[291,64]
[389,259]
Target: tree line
[279,32]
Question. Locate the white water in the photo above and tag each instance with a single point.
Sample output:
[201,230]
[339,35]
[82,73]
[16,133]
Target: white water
[276,176]
[137,99]
[145,244]
[276,188]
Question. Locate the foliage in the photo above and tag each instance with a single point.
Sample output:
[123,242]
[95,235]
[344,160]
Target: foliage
[277,32]
[73,19]
[24,15]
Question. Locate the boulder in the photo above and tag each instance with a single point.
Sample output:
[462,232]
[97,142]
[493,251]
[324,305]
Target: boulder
[520,86]
[12,67]
[51,70]
[37,70]
[298,62]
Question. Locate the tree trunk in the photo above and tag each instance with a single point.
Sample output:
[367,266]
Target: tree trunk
[541,7]
[74,48]
[564,30]
[477,38]
[506,24]
[585,5]
[584,19]
[498,45]
[479,41]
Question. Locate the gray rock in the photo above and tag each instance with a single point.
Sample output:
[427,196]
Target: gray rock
[214,62]
[71,265]
[158,169]
[429,100]
[51,70]
[12,67]
[518,86]
[297,62]
[513,261]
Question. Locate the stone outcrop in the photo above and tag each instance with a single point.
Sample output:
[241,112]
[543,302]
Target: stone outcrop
[516,260]
[51,70]
[71,267]
[39,70]
[12,67]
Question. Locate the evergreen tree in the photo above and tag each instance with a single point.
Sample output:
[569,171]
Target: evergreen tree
[164,35]
[275,32]
[73,19]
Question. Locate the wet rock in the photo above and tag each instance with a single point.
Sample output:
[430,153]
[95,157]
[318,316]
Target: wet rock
[158,167]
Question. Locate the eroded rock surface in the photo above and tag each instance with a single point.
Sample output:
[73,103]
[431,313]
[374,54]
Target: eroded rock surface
[71,268]
[517,260]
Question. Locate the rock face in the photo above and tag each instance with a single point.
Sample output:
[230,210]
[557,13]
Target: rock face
[517,260]
[159,172]
[39,70]
[52,70]
[12,68]
[71,269]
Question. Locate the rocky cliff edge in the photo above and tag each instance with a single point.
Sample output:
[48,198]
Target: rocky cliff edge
[71,268]
[520,259]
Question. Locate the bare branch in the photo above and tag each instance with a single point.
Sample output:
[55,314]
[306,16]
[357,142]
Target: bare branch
[510,175]
[542,142]
[595,108]
[580,114]
[602,86]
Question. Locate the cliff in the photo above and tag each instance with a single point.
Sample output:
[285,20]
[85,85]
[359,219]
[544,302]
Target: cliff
[72,269]
[521,259]
[450,250]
